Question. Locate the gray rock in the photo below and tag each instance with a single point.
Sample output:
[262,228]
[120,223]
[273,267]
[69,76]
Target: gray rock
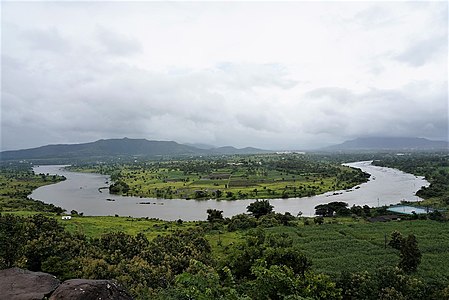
[19,284]
[84,289]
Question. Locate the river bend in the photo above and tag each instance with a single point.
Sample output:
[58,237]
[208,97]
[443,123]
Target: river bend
[81,192]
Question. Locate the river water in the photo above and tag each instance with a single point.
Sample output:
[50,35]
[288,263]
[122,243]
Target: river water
[81,192]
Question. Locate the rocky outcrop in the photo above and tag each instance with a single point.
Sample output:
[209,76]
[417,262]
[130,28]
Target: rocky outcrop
[83,289]
[19,284]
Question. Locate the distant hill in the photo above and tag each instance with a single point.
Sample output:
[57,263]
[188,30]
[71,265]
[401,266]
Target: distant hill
[233,150]
[388,143]
[117,147]
[201,146]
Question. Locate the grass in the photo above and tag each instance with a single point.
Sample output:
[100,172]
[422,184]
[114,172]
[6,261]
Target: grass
[96,226]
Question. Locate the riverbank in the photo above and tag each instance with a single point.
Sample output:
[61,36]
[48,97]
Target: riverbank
[80,192]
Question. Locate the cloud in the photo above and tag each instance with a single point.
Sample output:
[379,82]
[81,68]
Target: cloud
[46,39]
[377,112]
[424,51]
[118,44]
[297,75]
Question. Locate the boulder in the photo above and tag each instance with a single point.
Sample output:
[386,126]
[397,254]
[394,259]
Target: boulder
[19,284]
[84,289]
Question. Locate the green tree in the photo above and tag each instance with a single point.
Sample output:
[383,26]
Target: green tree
[214,215]
[291,257]
[396,240]
[12,239]
[260,208]
[241,221]
[410,254]
[272,283]
[200,282]
[359,285]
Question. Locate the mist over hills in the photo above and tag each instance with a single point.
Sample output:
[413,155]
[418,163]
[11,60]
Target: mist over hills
[120,147]
[389,143]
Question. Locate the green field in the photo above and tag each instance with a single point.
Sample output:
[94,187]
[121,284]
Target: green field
[237,177]
[17,182]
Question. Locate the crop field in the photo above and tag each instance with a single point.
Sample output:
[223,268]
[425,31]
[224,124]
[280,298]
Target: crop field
[355,246]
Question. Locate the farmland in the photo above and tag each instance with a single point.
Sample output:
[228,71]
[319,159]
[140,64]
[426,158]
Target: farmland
[231,178]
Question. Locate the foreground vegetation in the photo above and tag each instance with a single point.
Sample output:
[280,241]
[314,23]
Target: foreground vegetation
[239,258]
[233,177]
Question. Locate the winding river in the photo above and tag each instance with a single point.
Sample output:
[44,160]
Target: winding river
[81,192]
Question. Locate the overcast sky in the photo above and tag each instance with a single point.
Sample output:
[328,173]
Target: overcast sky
[291,75]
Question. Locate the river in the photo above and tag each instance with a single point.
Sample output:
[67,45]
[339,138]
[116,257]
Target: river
[80,192]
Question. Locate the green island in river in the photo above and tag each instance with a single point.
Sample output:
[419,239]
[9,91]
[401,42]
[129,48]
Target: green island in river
[229,177]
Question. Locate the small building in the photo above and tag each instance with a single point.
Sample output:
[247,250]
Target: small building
[66,217]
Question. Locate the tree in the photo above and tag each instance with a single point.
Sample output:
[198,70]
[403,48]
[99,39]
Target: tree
[410,254]
[120,187]
[214,215]
[260,208]
[396,240]
[11,240]
[328,210]
[241,221]
[273,282]
[291,257]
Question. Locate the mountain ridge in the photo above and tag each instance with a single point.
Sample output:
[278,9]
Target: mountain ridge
[118,147]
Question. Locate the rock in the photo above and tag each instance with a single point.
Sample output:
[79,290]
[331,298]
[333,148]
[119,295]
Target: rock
[84,289]
[19,284]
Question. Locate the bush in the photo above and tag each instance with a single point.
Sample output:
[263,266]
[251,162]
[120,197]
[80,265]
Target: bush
[242,221]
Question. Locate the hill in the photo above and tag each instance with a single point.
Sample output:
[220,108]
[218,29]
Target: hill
[388,143]
[118,147]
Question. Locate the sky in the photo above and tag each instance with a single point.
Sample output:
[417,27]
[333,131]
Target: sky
[273,75]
